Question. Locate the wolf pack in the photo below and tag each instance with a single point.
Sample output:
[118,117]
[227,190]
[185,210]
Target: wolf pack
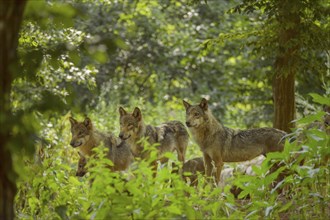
[217,143]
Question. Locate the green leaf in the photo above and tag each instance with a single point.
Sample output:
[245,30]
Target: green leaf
[320,99]
[33,203]
[243,194]
[310,118]
[121,44]
[174,209]
[286,206]
[61,211]
[63,10]
[74,181]
[75,57]
[34,7]
[100,56]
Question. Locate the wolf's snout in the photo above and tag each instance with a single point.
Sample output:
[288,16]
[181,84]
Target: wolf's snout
[75,143]
[121,136]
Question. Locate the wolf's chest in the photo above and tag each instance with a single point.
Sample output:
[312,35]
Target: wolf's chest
[135,149]
[208,141]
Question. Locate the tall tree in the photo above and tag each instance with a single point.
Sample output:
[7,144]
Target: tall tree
[292,33]
[286,63]
[11,13]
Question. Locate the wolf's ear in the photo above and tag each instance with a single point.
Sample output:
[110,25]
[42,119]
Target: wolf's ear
[73,121]
[204,104]
[88,123]
[137,113]
[186,104]
[122,111]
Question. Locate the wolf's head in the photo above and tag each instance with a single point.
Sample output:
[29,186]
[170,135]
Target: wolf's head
[196,114]
[81,170]
[129,123]
[80,131]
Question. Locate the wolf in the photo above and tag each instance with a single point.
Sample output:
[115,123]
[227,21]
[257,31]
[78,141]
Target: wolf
[220,144]
[169,136]
[85,137]
[193,166]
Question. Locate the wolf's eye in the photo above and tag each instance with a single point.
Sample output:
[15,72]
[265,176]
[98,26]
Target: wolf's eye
[80,133]
[196,114]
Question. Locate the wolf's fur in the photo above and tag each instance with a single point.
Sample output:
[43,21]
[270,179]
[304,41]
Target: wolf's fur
[81,170]
[85,137]
[193,166]
[170,136]
[220,144]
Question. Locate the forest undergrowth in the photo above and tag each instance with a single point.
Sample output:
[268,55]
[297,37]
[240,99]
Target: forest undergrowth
[49,189]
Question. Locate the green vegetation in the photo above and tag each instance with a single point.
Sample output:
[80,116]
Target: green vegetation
[88,57]
[55,191]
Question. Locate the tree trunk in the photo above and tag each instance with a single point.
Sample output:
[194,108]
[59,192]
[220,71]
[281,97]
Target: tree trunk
[284,101]
[286,64]
[11,13]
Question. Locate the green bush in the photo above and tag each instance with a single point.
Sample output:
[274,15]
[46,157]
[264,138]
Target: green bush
[49,188]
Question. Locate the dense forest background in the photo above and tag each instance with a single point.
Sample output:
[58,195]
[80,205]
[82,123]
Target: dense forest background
[259,63]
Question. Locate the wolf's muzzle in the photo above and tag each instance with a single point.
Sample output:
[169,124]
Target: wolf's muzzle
[188,124]
[75,144]
[122,136]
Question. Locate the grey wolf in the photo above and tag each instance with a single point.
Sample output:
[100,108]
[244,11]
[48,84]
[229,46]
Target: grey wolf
[221,144]
[85,137]
[193,166]
[169,136]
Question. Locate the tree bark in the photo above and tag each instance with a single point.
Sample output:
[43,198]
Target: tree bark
[284,101]
[11,13]
[286,64]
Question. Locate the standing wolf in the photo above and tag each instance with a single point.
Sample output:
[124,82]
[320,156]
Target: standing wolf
[170,136]
[220,144]
[85,137]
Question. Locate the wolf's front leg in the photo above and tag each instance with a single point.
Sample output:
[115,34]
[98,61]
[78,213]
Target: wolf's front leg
[207,164]
[219,166]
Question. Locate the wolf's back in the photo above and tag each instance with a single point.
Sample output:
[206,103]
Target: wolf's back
[177,128]
[264,135]
[119,152]
[271,138]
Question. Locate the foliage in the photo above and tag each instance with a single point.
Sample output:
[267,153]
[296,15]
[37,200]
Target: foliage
[262,36]
[90,57]
[137,50]
[49,188]
[143,47]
